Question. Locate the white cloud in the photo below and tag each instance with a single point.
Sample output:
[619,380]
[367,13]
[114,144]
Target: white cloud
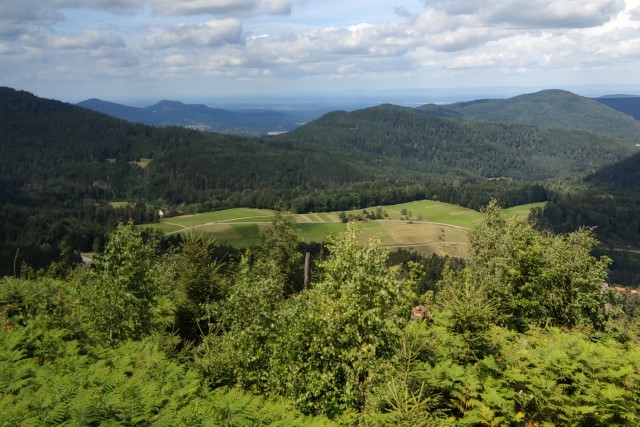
[532,13]
[89,39]
[277,7]
[200,7]
[115,6]
[553,13]
[236,8]
[210,34]
[176,60]
[25,17]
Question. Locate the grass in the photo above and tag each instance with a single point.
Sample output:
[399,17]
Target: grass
[120,204]
[523,210]
[143,162]
[432,211]
[424,226]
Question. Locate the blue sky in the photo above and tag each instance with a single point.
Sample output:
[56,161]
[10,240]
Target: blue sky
[122,50]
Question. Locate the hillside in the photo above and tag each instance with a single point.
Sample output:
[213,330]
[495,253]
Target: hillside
[252,122]
[620,177]
[628,104]
[49,145]
[546,109]
[408,140]
[609,201]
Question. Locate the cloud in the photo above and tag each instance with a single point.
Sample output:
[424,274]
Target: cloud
[89,39]
[555,13]
[235,8]
[25,17]
[635,13]
[201,7]
[532,13]
[402,12]
[114,6]
[176,60]
[210,34]
[277,7]
[463,39]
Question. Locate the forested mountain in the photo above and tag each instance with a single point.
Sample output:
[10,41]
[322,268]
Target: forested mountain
[608,200]
[547,109]
[248,122]
[410,140]
[625,104]
[50,146]
[620,177]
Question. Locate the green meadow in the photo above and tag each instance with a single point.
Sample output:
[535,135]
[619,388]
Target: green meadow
[424,226]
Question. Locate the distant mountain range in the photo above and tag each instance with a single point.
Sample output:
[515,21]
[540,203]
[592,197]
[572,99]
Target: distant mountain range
[550,109]
[248,122]
[546,109]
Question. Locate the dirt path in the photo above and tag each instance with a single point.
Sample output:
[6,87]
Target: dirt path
[235,220]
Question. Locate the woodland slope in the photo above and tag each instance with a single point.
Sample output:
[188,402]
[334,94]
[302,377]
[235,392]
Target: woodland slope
[625,104]
[548,109]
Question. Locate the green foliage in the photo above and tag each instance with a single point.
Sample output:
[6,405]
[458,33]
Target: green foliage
[236,350]
[628,105]
[537,279]
[543,377]
[134,384]
[337,337]
[118,298]
[95,348]
[473,311]
[47,301]
[280,244]
[344,347]
[195,284]
[408,140]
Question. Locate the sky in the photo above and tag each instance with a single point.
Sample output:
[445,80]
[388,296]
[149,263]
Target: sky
[121,50]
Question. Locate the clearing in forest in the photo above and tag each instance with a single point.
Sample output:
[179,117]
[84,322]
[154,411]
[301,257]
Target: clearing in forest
[424,226]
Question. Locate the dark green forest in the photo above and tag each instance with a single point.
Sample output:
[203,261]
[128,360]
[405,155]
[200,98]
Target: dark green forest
[524,333]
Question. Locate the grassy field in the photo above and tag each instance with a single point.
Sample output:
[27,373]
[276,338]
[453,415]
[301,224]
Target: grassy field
[143,162]
[121,204]
[424,226]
